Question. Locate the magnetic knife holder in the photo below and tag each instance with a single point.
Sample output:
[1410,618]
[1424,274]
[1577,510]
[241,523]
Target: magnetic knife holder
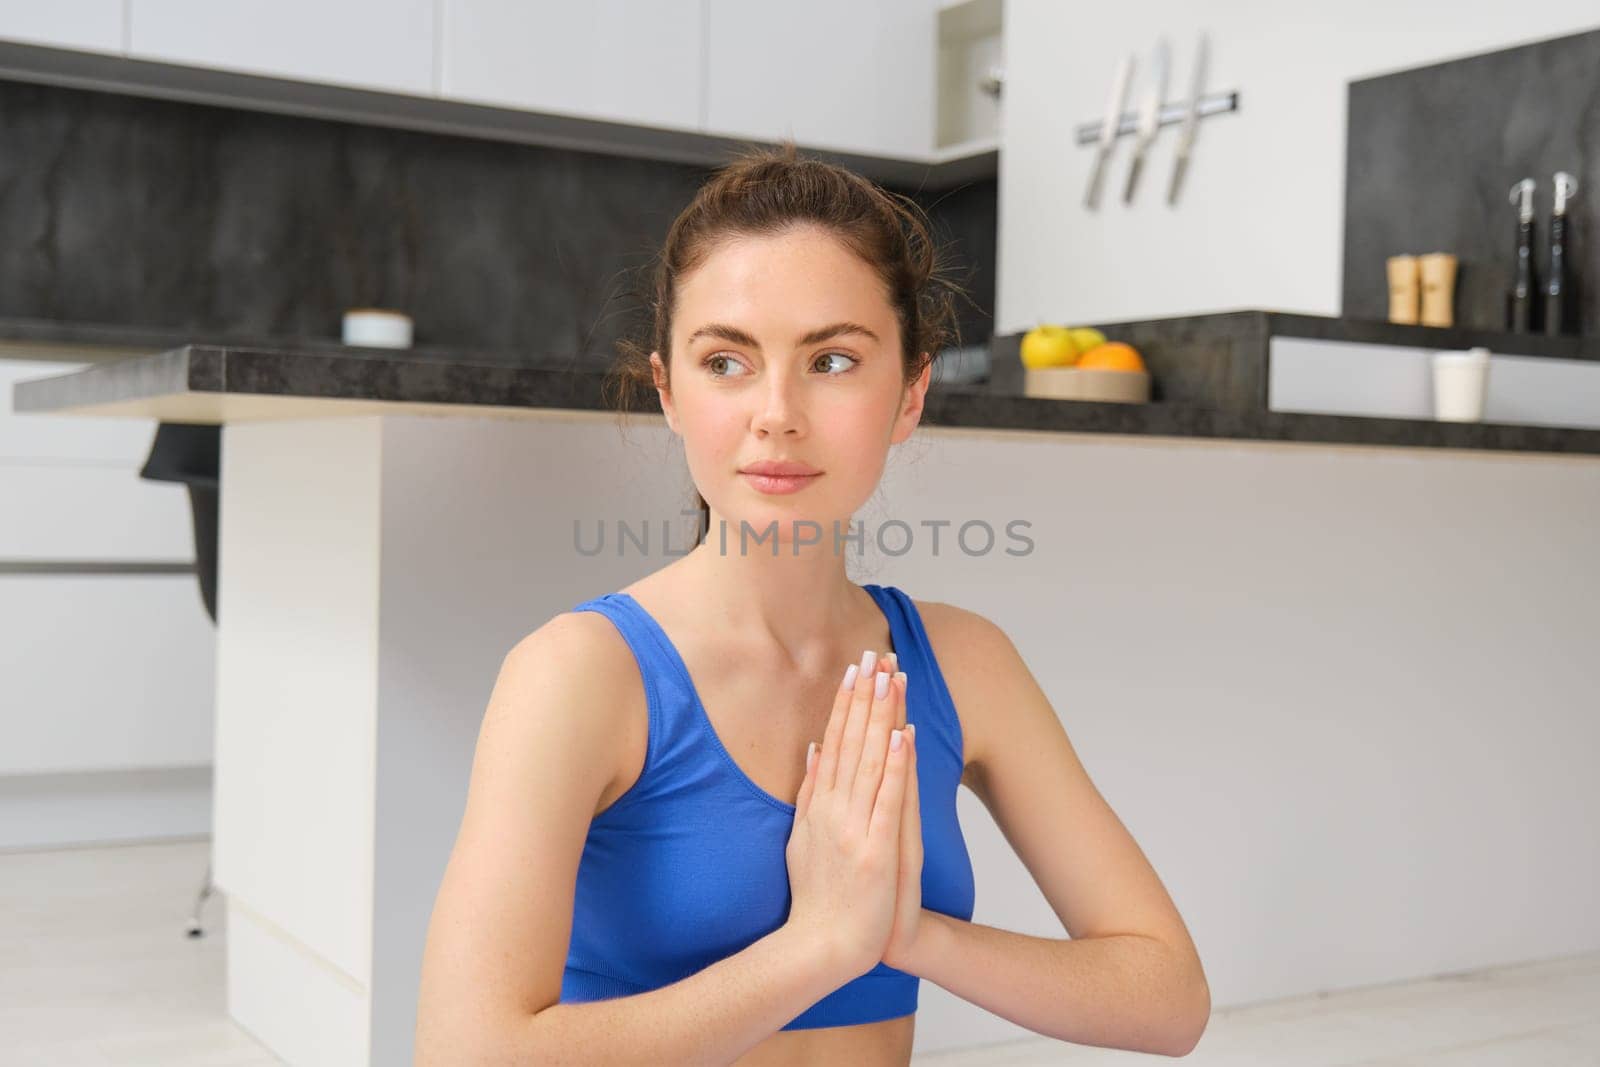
[1170,115]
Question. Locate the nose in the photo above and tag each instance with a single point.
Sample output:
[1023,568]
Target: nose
[779,410]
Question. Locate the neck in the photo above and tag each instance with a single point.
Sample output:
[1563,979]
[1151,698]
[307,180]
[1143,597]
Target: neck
[800,603]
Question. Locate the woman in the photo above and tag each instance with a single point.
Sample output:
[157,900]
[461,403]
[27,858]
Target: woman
[630,881]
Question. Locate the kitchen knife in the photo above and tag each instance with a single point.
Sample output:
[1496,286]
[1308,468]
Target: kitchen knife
[1149,117]
[1190,120]
[1108,131]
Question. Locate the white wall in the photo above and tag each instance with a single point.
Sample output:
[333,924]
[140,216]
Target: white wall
[1260,220]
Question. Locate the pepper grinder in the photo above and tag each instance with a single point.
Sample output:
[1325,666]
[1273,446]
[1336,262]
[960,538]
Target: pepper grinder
[1521,304]
[1557,308]
[1405,289]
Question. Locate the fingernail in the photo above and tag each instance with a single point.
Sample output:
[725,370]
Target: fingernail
[849,677]
[911,728]
[893,659]
[882,686]
[901,675]
[811,751]
[894,741]
[869,660]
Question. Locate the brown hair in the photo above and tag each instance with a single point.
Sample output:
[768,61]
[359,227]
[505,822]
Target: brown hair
[765,191]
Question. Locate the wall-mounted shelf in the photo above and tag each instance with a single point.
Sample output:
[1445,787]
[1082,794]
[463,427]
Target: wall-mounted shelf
[1214,376]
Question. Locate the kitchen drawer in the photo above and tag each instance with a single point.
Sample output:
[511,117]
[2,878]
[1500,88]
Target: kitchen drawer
[80,438]
[103,672]
[66,511]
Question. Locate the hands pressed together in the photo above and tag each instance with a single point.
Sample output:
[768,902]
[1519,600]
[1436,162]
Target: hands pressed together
[855,851]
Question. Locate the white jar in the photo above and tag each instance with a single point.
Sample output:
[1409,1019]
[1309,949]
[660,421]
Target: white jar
[377,328]
[1460,383]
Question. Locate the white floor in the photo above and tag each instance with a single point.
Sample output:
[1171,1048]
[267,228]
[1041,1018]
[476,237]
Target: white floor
[1536,1015]
[95,968]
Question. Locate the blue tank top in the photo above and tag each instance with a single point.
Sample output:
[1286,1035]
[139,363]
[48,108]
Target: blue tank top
[687,867]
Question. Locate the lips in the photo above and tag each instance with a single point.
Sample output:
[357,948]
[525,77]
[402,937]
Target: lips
[781,469]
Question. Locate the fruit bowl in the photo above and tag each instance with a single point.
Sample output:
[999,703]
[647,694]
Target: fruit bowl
[1073,383]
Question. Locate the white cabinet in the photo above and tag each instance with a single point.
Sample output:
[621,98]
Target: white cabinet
[84,25]
[374,44]
[620,60]
[829,73]
[892,80]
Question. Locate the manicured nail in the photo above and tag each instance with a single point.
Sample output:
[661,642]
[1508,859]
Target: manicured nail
[911,728]
[811,752]
[849,677]
[869,660]
[901,675]
[893,659]
[882,689]
[894,741]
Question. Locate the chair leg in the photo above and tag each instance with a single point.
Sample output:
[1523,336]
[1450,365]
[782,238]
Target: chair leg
[195,929]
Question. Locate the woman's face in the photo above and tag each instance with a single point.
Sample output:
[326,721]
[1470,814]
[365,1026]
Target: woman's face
[754,380]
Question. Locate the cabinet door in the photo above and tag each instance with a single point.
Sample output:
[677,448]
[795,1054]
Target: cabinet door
[620,60]
[374,44]
[83,25]
[829,73]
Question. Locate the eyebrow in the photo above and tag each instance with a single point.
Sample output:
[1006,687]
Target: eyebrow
[817,336]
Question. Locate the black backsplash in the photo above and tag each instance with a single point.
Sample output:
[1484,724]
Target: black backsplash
[1432,155]
[132,211]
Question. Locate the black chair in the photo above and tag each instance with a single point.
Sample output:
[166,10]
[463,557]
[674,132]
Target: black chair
[191,454]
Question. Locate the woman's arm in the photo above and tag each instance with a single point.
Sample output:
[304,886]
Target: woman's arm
[1123,991]
[1129,977]
[713,1016]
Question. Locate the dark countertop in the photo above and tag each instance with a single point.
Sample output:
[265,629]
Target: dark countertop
[99,341]
[1217,392]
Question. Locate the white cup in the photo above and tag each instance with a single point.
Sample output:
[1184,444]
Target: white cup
[377,328]
[1460,381]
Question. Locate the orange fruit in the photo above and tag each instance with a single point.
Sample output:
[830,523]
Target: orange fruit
[1113,355]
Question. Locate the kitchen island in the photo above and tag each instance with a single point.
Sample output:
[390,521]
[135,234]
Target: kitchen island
[392,523]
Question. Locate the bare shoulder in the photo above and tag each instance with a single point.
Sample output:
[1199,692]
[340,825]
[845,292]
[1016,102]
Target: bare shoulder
[582,648]
[583,655]
[971,650]
[586,634]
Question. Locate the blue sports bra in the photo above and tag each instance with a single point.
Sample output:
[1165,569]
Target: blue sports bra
[687,867]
